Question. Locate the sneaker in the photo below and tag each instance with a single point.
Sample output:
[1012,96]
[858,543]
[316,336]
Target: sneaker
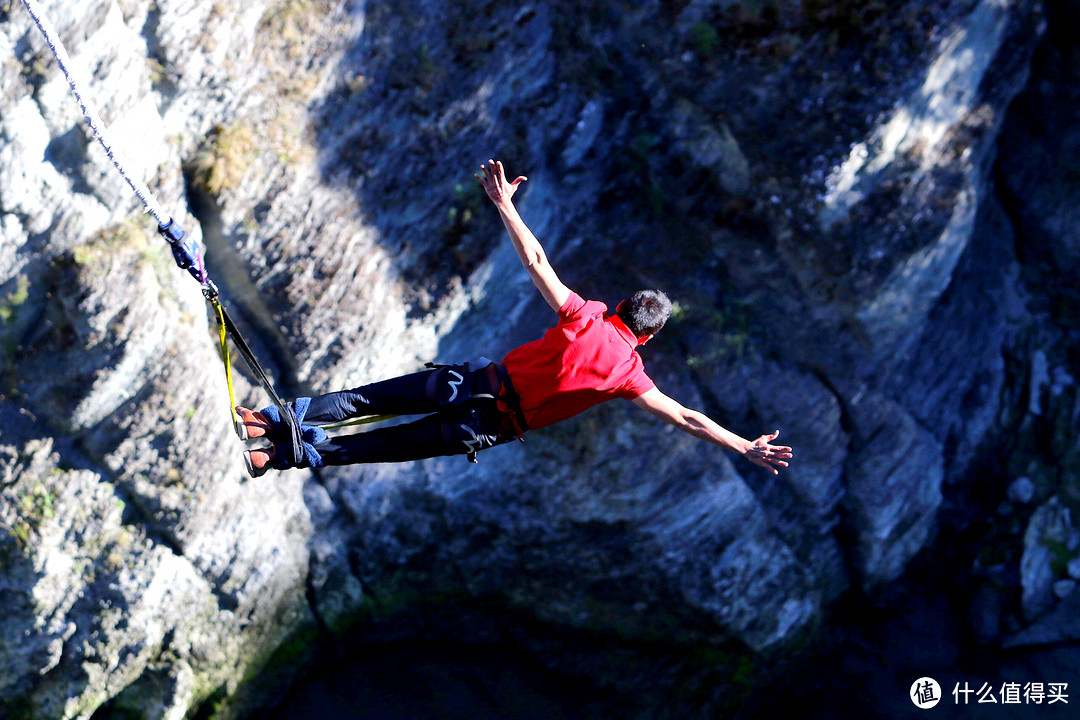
[253,424]
[257,461]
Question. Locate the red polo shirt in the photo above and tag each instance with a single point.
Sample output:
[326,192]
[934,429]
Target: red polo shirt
[582,361]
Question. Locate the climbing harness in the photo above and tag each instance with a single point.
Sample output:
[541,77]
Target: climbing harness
[479,379]
[185,251]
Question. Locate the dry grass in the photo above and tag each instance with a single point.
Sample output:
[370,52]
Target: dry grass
[224,157]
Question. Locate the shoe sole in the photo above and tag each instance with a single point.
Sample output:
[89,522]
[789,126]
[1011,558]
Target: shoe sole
[250,466]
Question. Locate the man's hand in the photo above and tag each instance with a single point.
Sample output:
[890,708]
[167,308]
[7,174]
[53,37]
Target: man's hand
[528,248]
[762,453]
[759,452]
[495,184]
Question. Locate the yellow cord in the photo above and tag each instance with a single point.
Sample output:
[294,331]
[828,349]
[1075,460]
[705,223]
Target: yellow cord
[227,362]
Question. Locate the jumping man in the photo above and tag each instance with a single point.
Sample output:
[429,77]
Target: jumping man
[589,357]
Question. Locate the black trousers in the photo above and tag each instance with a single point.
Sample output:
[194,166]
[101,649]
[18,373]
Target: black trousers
[456,421]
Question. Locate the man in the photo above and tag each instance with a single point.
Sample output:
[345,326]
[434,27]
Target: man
[586,359]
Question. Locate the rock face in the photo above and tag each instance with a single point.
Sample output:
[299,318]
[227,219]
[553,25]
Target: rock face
[840,196]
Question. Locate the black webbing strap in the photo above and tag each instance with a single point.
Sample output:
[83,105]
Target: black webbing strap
[288,414]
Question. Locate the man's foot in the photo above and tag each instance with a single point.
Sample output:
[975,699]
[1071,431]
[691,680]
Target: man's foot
[258,461]
[253,424]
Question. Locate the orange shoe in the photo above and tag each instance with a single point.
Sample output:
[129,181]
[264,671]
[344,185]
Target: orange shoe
[253,424]
[258,461]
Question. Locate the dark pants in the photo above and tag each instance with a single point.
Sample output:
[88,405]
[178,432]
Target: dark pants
[457,422]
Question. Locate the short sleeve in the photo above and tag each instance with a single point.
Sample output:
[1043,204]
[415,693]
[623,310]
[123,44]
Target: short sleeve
[637,384]
[576,308]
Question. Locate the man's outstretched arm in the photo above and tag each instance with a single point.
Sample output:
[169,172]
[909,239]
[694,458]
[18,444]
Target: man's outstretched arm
[759,451]
[525,243]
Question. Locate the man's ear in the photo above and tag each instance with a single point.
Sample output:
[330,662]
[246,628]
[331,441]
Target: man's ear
[647,338]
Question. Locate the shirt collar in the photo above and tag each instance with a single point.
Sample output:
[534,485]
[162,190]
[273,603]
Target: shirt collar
[624,332]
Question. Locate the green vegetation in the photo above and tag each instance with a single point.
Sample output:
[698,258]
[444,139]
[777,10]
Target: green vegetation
[156,70]
[427,70]
[9,311]
[581,58]
[35,506]
[705,39]
[128,233]
[132,233]
[468,204]
[10,305]
[1059,555]
[728,326]
[640,159]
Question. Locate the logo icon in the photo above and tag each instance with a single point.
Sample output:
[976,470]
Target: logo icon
[454,385]
[474,443]
[925,693]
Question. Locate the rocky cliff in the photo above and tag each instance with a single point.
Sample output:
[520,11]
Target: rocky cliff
[864,211]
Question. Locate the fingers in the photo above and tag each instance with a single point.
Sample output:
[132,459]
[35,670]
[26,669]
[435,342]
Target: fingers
[770,464]
[770,468]
[770,456]
[494,179]
[494,170]
[776,459]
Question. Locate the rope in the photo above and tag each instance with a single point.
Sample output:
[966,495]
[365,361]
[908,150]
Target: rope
[219,312]
[97,127]
[288,414]
[186,253]
[359,421]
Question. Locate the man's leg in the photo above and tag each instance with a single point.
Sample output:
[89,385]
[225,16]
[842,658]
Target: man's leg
[457,431]
[418,393]
[404,395]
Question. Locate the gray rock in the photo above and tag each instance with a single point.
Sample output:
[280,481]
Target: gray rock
[713,147]
[909,146]
[1040,381]
[585,133]
[1046,533]
[1021,490]
[985,615]
[1060,625]
[894,484]
[1064,588]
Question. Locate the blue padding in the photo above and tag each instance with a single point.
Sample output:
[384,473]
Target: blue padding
[312,435]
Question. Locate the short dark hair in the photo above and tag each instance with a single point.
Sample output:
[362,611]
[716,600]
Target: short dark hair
[645,312]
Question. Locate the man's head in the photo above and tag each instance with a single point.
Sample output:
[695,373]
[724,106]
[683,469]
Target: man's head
[645,312]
